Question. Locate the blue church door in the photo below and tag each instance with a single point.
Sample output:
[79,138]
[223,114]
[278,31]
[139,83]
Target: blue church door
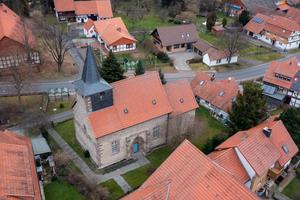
[135,147]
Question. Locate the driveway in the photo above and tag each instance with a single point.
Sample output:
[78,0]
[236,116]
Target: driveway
[180,60]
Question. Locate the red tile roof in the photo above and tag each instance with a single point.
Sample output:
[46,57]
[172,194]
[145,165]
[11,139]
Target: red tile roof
[260,151]
[225,159]
[210,91]
[88,25]
[113,30]
[181,97]
[144,97]
[288,68]
[189,174]
[11,26]
[279,26]
[100,7]
[17,168]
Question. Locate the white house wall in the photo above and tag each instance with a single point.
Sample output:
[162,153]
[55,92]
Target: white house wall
[250,171]
[206,60]
[90,32]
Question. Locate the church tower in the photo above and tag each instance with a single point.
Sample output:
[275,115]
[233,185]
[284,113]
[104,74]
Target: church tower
[95,91]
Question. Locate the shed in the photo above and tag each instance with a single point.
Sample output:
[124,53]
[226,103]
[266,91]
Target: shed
[217,30]
[40,146]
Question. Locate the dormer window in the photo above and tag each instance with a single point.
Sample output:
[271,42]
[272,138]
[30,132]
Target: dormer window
[153,102]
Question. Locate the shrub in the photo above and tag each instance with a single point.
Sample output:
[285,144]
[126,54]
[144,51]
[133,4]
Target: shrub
[61,105]
[163,57]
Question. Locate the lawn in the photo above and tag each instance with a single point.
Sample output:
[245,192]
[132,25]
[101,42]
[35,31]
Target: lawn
[265,57]
[61,190]
[67,132]
[115,192]
[292,190]
[209,127]
[149,22]
[138,176]
[199,66]
[59,106]
[229,67]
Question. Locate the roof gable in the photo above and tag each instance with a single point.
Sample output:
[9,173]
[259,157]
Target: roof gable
[171,35]
[187,172]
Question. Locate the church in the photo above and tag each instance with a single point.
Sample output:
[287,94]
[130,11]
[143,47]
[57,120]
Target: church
[117,121]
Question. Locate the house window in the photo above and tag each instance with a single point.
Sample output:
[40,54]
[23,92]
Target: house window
[156,132]
[219,61]
[129,46]
[114,48]
[182,45]
[115,147]
[176,46]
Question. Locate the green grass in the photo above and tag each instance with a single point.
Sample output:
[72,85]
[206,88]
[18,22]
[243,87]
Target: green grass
[149,22]
[115,192]
[61,190]
[209,37]
[66,130]
[292,190]
[60,106]
[210,127]
[138,176]
[198,66]
[265,57]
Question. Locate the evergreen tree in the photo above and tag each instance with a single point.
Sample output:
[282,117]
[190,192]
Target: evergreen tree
[139,68]
[162,77]
[224,22]
[211,20]
[244,17]
[249,109]
[291,120]
[111,70]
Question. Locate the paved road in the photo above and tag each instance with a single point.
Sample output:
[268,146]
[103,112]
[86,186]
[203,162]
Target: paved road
[250,73]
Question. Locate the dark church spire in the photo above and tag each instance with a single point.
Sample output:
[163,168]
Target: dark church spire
[91,81]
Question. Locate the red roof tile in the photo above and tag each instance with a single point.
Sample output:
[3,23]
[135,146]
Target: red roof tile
[88,25]
[287,68]
[189,174]
[17,168]
[210,91]
[100,7]
[12,27]
[260,151]
[225,159]
[181,97]
[278,25]
[113,30]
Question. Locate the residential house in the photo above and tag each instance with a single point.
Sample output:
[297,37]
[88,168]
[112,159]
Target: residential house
[119,120]
[211,56]
[17,168]
[216,95]
[189,174]
[281,32]
[294,3]
[236,7]
[294,14]
[81,11]
[258,156]
[111,33]
[282,83]
[15,38]
[175,38]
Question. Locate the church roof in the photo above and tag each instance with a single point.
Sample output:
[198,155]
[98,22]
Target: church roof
[91,82]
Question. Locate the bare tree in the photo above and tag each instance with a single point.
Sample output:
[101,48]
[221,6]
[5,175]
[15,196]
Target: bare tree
[56,39]
[232,43]
[17,76]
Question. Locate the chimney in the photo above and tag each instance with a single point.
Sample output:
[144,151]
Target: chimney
[213,77]
[229,79]
[267,131]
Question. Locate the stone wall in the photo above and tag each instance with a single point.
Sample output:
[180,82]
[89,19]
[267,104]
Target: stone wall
[83,131]
[181,124]
[142,132]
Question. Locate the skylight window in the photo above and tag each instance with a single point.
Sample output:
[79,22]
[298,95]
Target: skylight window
[285,149]
[202,82]
[221,93]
